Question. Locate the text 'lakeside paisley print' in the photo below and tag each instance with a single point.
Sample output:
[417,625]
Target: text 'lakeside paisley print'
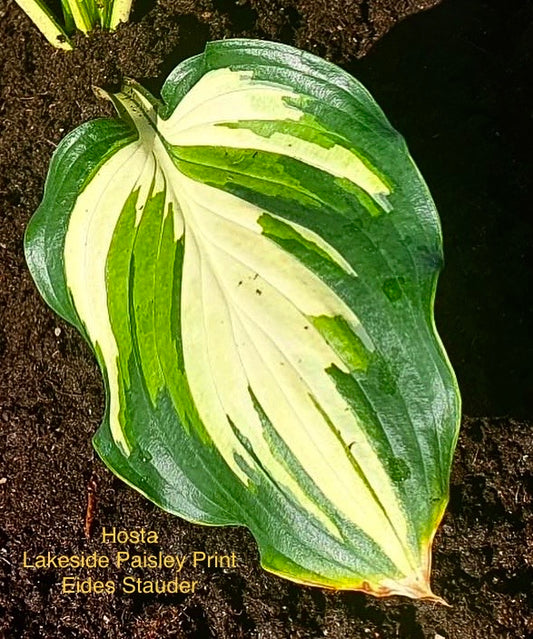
[254,262]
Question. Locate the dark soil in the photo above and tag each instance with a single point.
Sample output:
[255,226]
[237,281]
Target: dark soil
[453,80]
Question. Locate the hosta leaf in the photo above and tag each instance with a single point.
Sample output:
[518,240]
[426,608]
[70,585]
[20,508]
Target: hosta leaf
[254,261]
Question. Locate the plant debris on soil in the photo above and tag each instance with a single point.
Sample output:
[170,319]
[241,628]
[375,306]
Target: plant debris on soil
[439,76]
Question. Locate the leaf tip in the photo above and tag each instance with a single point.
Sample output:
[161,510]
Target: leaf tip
[100,93]
[415,586]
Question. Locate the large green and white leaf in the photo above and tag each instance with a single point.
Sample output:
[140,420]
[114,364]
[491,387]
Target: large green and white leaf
[254,261]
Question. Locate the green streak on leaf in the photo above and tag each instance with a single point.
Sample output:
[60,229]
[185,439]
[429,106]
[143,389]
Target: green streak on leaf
[224,166]
[273,175]
[118,266]
[373,555]
[67,16]
[142,292]
[294,128]
[278,230]
[309,129]
[313,115]
[366,201]
[344,341]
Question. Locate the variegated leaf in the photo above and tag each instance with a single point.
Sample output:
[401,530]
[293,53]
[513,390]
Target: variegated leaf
[254,261]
